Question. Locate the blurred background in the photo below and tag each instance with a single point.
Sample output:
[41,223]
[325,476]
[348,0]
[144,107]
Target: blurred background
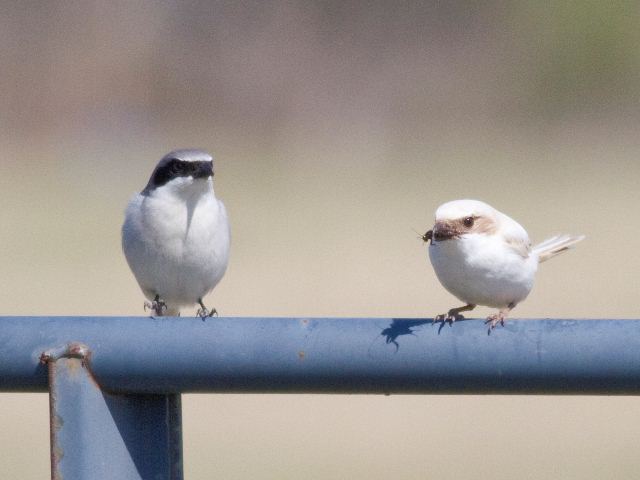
[337,128]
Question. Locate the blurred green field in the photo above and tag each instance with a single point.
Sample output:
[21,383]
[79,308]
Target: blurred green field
[337,128]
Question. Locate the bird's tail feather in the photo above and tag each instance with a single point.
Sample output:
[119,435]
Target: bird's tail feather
[555,245]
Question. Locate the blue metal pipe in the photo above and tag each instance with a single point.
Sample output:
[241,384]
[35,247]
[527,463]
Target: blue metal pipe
[102,436]
[334,355]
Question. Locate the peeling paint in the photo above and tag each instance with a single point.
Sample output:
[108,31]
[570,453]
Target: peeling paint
[55,424]
[56,455]
[74,358]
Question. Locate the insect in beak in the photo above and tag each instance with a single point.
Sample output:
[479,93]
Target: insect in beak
[424,237]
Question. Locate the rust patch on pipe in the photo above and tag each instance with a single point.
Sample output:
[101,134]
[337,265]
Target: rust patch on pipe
[72,350]
[74,368]
[55,424]
[56,456]
[75,356]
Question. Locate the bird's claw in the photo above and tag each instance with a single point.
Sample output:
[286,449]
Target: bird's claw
[158,307]
[494,319]
[448,317]
[205,313]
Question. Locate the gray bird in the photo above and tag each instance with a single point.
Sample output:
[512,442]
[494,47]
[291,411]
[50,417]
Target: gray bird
[176,234]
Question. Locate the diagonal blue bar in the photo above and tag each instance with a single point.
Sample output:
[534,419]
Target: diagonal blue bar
[102,436]
[333,355]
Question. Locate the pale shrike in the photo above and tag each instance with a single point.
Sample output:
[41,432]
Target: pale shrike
[483,257]
[176,234]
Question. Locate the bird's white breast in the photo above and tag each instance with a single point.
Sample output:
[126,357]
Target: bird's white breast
[483,270]
[176,247]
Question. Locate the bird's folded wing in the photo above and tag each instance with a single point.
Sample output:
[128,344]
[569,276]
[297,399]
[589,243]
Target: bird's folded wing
[522,246]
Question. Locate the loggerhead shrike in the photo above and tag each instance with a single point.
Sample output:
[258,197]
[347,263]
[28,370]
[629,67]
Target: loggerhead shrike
[176,234]
[483,257]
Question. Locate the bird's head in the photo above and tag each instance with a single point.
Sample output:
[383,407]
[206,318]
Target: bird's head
[182,172]
[462,217]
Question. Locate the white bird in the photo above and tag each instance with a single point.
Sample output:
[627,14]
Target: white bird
[176,234]
[484,257]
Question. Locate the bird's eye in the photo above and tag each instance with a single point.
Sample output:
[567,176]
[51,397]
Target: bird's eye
[176,167]
[468,222]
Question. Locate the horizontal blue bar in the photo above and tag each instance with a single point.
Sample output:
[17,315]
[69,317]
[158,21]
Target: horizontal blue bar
[332,355]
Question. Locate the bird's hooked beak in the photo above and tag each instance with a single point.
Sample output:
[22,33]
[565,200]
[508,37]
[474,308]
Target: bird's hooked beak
[204,170]
[443,231]
[428,236]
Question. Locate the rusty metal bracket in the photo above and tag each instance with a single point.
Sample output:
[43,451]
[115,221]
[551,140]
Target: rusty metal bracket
[100,435]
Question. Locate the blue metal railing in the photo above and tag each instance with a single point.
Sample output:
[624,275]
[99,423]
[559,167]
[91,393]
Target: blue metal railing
[337,355]
[119,379]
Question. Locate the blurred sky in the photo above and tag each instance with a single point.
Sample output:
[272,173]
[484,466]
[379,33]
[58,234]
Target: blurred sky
[337,127]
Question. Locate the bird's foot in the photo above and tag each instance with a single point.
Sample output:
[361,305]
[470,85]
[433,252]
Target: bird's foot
[495,319]
[158,307]
[498,317]
[203,312]
[453,314]
[449,317]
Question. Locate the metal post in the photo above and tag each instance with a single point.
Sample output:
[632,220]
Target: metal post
[98,435]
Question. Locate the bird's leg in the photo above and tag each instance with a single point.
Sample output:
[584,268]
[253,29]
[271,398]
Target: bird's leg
[499,317]
[203,312]
[158,306]
[454,314]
